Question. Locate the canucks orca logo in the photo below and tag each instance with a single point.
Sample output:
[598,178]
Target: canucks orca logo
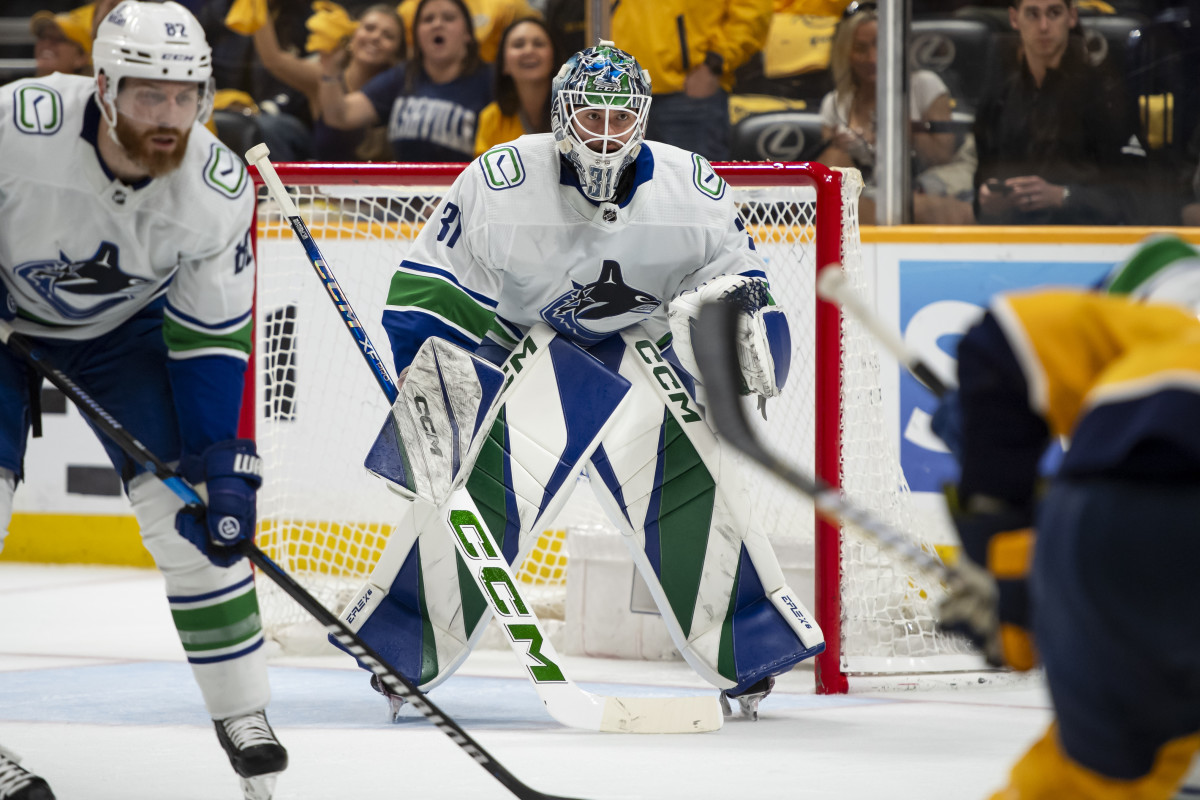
[592,312]
[82,289]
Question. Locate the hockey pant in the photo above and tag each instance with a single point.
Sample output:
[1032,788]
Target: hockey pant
[660,476]
[215,610]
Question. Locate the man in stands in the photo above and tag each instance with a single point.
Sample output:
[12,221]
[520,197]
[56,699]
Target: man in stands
[1057,139]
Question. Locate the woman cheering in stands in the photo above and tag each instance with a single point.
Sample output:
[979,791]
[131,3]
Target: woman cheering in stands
[431,102]
[350,53]
[525,65]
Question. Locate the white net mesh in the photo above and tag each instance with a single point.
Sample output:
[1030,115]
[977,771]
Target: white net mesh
[324,520]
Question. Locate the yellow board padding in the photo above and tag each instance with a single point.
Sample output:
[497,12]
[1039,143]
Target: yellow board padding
[75,539]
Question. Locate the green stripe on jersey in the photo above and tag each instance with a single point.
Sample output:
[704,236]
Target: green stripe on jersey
[442,298]
[180,338]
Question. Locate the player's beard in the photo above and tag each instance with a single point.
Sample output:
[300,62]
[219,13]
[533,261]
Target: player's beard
[137,146]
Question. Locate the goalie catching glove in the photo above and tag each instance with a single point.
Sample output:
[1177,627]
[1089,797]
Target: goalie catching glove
[763,339]
[991,608]
[227,475]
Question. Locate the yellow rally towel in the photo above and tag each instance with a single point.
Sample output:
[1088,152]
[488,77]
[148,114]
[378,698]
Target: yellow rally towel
[798,43]
[246,16]
[328,27]
[234,100]
[75,24]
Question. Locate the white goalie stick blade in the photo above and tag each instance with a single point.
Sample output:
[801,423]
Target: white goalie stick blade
[715,344]
[564,700]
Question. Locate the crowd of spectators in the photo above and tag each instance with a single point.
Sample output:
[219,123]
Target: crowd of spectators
[1022,111]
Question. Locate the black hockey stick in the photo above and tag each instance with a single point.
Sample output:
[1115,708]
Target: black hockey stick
[389,675]
[714,341]
[833,285]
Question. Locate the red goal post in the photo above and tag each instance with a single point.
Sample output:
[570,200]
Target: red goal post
[803,217]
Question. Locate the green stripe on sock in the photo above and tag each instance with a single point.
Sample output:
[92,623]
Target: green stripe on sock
[442,298]
[220,625]
[684,520]
[220,638]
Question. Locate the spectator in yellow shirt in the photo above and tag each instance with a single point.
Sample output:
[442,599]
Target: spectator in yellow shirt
[524,69]
[691,49]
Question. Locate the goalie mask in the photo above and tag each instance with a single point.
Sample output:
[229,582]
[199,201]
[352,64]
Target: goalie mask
[599,105]
[155,42]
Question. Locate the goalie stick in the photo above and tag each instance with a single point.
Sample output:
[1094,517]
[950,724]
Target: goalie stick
[834,286]
[390,676]
[715,345]
[564,699]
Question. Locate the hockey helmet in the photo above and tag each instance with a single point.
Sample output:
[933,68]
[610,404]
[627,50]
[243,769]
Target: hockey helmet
[1163,269]
[600,101]
[154,41]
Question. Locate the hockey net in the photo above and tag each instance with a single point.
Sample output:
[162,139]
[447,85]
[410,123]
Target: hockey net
[317,409]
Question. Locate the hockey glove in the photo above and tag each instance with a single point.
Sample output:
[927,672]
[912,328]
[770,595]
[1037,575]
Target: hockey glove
[763,337]
[229,473]
[991,608]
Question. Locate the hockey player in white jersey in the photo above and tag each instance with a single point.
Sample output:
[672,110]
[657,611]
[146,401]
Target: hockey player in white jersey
[125,256]
[612,242]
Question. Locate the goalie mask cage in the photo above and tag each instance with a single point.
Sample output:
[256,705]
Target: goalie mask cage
[317,408]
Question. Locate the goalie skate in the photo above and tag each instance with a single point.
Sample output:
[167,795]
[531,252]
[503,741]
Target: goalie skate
[395,701]
[254,752]
[748,700]
[18,783]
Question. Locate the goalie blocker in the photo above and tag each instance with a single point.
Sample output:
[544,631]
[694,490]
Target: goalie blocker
[661,477]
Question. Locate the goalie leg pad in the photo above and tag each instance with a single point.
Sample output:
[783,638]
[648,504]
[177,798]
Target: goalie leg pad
[664,481]
[421,608]
[215,608]
[432,433]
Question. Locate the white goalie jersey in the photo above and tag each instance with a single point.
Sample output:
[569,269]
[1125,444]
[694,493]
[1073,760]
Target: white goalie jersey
[81,251]
[514,242]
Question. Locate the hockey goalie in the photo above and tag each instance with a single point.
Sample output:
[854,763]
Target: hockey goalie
[579,260]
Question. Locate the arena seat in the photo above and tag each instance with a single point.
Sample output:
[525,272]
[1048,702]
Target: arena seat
[784,135]
[960,51]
